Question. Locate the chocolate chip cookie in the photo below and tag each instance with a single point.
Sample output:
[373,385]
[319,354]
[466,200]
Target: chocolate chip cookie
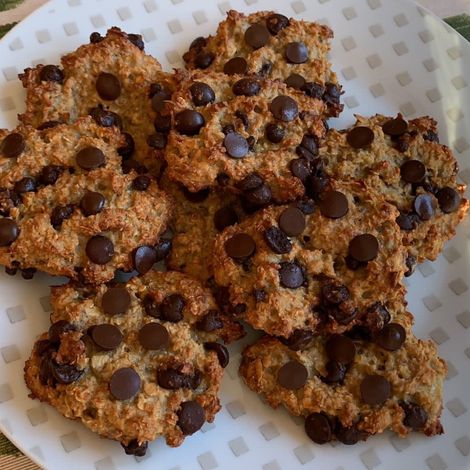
[115,82]
[245,134]
[268,44]
[323,265]
[133,361]
[66,207]
[351,386]
[406,163]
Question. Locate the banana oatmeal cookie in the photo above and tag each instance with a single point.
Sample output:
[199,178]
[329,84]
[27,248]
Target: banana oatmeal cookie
[133,361]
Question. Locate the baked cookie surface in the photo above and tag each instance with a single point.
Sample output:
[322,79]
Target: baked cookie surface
[133,361]
[68,209]
[271,45]
[228,128]
[111,79]
[323,266]
[405,162]
[349,387]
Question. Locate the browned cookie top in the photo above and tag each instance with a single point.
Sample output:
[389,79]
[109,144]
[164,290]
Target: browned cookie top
[270,45]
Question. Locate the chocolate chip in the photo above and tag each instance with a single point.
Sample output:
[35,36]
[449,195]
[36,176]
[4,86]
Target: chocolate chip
[154,336]
[276,23]
[318,428]
[277,240]
[391,337]
[51,73]
[260,295]
[124,384]
[295,80]
[236,145]
[65,373]
[12,145]
[108,86]
[157,141]
[50,174]
[198,43]
[25,185]
[344,313]
[162,123]
[257,198]
[299,339]
[448,199]
[126,150]
[61,213]
[360,137]
[265,69]
[257,35]
[284,108]
[424,206]
[171,308]
[407,221]
[236,66]
[375,389]
[228,128]
[136,39]
[349,435]
[364,248]
[341,349]
[9,231]
[296,53]
[240,246]
[332,94]
[292,221]
[293,375]
[431,136]
[196,197]
[274,133]
[95,37]
[151,307]
[410,263]
[412,171]
[300,168]
[313,89]
[48,125]
[395,127]
[291,275]
[334,293]
[225,217]
[99,249]
[415,416]
[376,317]
[104,117]
[211,321]
[201,93]
[335,373]
[333,204]
[252,181]
[189,122]
[159,94]
[90,158]
[135,448]
[57,329]
[132,165]
[106,336]
[220,350]
[246,87]
[203,60]
[191,417]
[28,273]
[162,249]
[144,258]
[243,118]
[141,183]
[92,203]
[116,301]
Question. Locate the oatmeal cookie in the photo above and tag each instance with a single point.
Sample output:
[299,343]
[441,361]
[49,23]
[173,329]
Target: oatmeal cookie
[324,266]
[133,361]
[67,209]
[225,129]
[271,45]
[349,387]
[113,80]
[406,163]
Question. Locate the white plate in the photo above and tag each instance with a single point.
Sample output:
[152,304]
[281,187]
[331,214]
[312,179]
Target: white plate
[390,56]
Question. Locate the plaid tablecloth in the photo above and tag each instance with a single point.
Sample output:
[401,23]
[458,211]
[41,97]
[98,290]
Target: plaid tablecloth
[455,12]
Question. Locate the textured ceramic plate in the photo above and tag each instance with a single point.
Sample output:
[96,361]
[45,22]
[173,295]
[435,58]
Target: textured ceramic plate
[391,56]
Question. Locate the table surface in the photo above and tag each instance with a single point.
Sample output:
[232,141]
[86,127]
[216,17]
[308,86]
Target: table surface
[13,11]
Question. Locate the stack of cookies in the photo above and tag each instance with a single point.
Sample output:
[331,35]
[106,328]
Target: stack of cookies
[297,230]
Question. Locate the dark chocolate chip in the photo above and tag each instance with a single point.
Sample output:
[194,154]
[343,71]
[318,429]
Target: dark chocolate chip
[198,43]
[344,313]
[99,249]
[57,329]
[277,240]
[431,136]
[171,308]
[407,221]
[211,321]
[228,128]
[135,448]
[159,94]
[410,263]
[220,350]
[364,248]
[313,89]
[284,108]
[115,301]
[133,165]
[12,145]
[257,35]
[203,60]
[300,168]
[415,416]
[246,87]
[236,66]
[332,94]
[201,93]
[412,171]
[276,23]
[349,435]
[334,293]
[260,295]
[296,53]
[299,339]
[106,336]
[252,181]
[61,213]
[318,428]
[341,349]
[189,122]
[28,273]
[391,337]
[125,383]
[162,249]
[90,158]
[104,117]
[162,123]
[376,317]
[295,80]
[141,183]
[375,389]
[225,217]
[291,275]
[333,204]
[191,417]
[50,174]
[9,231]
[25,185]
[126,150]
[424,206]
[274,133]
[243,118]
[360,137]
[95,37]
[308,144]
[292,221]
[136,39]
[145,257]
[293,375]
[448,199]
[240,246]
[108,86]
[236,145]
[265,69]
[51,73]
[154,336]
[395,127]
[157,141]
[48,125]
[151,307]
[92,203]
[257,198]
[65,373]
[335,373]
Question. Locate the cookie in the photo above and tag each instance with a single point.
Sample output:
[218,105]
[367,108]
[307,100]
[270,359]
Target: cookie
[68,210]
[133,362]
[323,265]
[226,129]
[196,219]
[351,387]
[406,163]
[267,44]
[114,81]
